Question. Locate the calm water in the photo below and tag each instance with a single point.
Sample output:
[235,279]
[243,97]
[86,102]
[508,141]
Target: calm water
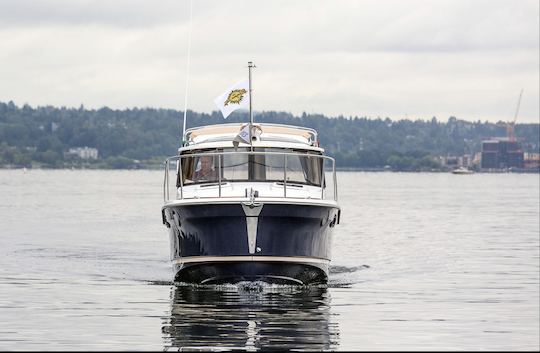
[420,262]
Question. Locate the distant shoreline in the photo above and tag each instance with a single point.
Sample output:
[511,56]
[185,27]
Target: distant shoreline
[341,169]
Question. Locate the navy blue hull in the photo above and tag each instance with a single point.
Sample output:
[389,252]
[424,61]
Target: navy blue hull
[215,232]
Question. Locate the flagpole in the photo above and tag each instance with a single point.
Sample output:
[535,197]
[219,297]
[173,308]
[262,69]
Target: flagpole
[250,65]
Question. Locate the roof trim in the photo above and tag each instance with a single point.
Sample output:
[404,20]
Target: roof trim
[256,144]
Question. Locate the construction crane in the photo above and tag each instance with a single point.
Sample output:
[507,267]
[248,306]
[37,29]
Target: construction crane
[510,126]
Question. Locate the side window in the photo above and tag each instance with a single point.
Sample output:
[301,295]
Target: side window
[313,169]
[295,172]
[188,168]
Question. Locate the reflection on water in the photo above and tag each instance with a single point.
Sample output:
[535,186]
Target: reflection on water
[250,316]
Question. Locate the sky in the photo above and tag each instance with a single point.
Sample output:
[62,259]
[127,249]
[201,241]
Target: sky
[402,59]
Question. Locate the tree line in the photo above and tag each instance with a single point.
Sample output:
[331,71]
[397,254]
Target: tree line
[143,137]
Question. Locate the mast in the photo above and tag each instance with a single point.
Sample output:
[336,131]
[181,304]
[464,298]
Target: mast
[250,66]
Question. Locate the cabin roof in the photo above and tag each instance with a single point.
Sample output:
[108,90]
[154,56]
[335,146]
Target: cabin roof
[273,132]
[235,128]
[272,135]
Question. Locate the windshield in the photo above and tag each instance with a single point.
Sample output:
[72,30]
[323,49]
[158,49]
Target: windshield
[299,166]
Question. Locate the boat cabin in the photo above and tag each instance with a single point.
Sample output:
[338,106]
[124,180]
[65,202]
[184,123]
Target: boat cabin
[282,161]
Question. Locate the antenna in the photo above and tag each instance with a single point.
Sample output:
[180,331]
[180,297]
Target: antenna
[187,68]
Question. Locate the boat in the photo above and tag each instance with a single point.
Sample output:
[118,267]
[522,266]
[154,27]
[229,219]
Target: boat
[263,211]
[250,201]
[462,171]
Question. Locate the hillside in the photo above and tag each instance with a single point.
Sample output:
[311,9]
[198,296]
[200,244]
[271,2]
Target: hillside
[41,136]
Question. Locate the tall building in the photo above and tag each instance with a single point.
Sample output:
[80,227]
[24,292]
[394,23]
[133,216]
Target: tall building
[498,154]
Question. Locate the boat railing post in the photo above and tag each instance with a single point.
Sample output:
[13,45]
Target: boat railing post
[219,174]
[165,181]
[181,176]
[284,175]
[168,180]
[322,177]
[335,178]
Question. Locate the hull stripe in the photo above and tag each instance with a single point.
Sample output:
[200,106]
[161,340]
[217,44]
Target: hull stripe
[192,259]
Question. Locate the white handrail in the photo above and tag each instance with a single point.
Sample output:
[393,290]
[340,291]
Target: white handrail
[285,154]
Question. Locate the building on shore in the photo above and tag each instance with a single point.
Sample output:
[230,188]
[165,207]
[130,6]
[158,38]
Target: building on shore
[501,154]
[84,152]
[532,161]
[450,161]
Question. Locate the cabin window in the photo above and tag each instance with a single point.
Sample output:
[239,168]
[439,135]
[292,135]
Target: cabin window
[235,167]
[199,169]
[300,169]
[206,168]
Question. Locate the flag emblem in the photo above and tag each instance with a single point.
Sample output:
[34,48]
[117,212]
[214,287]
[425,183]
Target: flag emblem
[236,96]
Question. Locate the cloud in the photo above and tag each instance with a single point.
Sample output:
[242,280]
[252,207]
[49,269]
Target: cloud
[367,58]
[117,13]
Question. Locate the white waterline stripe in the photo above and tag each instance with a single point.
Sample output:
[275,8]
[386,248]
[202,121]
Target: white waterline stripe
[191,259]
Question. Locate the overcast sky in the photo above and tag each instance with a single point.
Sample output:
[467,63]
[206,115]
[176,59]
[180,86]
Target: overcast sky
[400,59]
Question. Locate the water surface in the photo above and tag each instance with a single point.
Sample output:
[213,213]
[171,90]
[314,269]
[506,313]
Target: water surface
[420,262]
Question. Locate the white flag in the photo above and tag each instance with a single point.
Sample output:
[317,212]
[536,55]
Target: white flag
[234,98]
[243,135]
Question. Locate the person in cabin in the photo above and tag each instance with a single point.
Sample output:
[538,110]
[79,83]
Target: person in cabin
[206,172]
